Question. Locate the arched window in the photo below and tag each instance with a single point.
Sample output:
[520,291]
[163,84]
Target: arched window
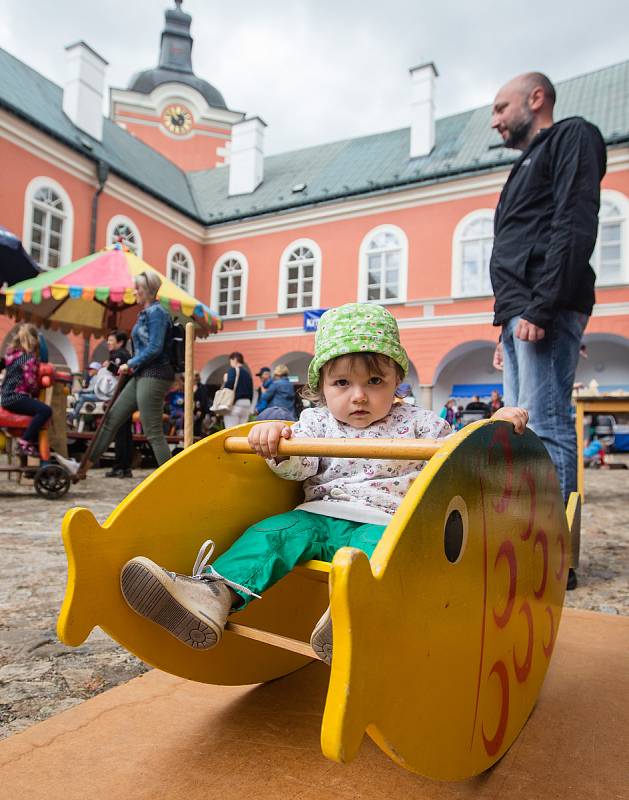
[121,229]
[300,271]
[48,223]
[180,267]
[229,285]
[383,265]
[610,254]
[471,252]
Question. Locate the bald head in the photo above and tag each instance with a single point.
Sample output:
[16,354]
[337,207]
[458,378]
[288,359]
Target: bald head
[530,81]
[522,107]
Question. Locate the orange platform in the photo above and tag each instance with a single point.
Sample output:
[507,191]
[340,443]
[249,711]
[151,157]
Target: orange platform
[164,738]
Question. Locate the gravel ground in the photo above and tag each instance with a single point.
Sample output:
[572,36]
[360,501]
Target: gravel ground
[40,677]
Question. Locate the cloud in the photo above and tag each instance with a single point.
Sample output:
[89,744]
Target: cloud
[320,70]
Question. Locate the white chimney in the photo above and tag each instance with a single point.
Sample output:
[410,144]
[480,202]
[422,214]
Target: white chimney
[423,109]
[84,88]
[246,156]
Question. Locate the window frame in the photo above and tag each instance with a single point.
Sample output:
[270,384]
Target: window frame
[67,230]
[180,248]
[236,255]
[121,219]
[282,288]
[622,201]
[363,265]
[457,252]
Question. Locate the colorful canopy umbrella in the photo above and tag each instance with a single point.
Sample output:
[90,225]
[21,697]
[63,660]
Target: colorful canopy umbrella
[95,294]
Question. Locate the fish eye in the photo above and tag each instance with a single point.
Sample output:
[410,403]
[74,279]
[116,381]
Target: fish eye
[455,530]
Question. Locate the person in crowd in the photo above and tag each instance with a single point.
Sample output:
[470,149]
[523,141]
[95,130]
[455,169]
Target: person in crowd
[279,396]
[476,404]
[21,385]
[404,394]
[88,393]
[447,412]
[496,401]
[201,404]
[123,442]
[458,418]
[175,405]
[150,375]
[266,379]
[238,376]
[358,364]
[545,229]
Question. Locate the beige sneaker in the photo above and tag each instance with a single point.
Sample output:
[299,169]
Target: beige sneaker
[191,608]
[321,639]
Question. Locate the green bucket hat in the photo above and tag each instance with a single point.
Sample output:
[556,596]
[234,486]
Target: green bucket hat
[356,328]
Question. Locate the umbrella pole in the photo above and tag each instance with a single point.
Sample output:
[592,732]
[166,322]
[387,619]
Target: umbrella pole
[86,353]
[188,413]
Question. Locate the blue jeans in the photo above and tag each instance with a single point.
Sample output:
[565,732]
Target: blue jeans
[539,376]
[40,412]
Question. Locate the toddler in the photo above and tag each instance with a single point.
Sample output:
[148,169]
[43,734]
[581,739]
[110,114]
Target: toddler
[357,367]
[21,385]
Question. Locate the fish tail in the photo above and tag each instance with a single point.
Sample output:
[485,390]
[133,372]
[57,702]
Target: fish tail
[352,597]
[79,612]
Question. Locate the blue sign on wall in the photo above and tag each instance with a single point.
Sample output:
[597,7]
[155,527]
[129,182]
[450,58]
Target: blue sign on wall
[311,319]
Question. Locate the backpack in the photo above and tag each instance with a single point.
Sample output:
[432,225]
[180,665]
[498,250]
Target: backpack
[176,346]
[104,384]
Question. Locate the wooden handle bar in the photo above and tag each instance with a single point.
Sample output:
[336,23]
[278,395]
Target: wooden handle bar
[412,449]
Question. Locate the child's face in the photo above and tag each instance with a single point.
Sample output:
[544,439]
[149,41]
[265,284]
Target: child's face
[356,396]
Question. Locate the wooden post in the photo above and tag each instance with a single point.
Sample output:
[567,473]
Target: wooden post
[188,413]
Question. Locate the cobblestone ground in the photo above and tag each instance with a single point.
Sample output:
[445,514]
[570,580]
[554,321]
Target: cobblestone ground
[40,677]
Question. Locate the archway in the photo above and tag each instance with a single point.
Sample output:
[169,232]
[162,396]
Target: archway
[607,362]
[464,371]
[60,349]
[297,362]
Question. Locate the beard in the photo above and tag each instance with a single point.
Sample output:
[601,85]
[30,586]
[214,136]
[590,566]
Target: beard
[518,132]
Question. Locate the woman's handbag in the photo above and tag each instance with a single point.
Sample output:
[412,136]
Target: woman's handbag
[224,398]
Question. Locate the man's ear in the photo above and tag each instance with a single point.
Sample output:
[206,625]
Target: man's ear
[536,99]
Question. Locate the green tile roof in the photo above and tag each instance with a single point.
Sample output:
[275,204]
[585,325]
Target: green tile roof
[39,101]
[464,144]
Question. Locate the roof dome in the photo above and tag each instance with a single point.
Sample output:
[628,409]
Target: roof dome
[175,61]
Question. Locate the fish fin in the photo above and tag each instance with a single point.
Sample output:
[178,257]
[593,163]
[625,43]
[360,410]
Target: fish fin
[573,513]
[78,613]
[353,602]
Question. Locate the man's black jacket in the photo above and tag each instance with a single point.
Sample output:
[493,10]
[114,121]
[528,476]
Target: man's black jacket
[546,224]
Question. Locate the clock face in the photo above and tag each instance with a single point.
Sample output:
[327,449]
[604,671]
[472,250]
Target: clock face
[177,119]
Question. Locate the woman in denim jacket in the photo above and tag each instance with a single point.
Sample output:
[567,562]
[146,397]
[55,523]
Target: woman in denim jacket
[152,375]
[278,402]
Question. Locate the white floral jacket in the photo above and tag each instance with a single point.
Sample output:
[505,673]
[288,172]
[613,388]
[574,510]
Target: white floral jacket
[360,489]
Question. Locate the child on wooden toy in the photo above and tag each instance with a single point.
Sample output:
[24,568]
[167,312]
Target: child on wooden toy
[358,365]
[21,384]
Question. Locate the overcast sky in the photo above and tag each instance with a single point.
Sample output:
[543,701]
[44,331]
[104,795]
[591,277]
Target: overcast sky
[321,70]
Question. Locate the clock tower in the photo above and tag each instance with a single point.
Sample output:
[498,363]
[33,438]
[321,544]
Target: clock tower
[171,109]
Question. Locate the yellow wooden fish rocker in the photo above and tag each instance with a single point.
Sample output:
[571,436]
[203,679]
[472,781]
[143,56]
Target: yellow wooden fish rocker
[441,640]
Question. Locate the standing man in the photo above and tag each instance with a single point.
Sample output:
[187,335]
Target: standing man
[544,233]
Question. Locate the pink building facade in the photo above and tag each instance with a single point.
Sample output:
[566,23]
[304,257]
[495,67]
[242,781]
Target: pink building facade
[263,241]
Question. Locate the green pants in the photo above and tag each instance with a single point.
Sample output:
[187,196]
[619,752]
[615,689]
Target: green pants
[143,394]
[270,549]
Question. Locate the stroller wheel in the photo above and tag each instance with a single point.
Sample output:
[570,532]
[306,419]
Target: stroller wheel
[52,481]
